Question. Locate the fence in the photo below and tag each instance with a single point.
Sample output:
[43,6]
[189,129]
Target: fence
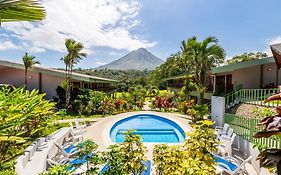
[246,128]
[250,96]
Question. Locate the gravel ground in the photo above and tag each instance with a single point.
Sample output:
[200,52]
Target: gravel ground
[247,110]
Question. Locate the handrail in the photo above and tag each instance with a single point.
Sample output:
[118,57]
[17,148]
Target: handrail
[250,96]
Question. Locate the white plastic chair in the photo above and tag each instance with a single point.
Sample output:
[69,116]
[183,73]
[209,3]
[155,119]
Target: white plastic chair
[82,127]
[226,136]
[232,166]
[226,146]
[222,130]
[62,148]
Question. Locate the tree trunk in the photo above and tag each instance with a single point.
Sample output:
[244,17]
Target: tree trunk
[279,168]
[200,98]
[25,77]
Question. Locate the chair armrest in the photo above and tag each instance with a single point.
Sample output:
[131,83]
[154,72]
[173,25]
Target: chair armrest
[232,160]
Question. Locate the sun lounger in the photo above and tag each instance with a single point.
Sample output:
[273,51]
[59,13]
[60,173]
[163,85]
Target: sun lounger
[226,136]
[222,130]
[231,165]
[225,147]
[66,150]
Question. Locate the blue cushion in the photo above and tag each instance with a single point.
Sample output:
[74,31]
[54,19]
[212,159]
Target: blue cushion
[230,165]
[148,167]
[67,150]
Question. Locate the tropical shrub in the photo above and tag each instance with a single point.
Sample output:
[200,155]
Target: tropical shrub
[115,160]
[23,118]
[198,148]
[186,106]
[197,112]
[168,159]
[57,170]
[136,96]
[193,158]
[134,153]
[127,157]
[88,151]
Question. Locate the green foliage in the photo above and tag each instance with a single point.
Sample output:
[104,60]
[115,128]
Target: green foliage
[247,57]
[264,112]
[127,157]
[23,118]
[136,96]
[198,148]
[57,170]
[188,87]
[89,102]
[88,152]
[193,158]
[168,159]
[198,112]
[74,55]
[115,160]
[28,62]
[125,78]
[134,153]
[19,10]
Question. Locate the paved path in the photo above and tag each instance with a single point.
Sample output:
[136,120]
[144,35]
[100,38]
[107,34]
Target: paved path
[146,106]
[80,120]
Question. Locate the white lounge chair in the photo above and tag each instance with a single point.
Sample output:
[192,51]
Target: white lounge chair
[60,162]
[222,130]
[66,150]
[76,130]
[78,125]
[74,138]
[225,147]
[226,136]
[231,165]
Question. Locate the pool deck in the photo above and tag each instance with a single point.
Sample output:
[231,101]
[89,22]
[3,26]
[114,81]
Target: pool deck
[99,132]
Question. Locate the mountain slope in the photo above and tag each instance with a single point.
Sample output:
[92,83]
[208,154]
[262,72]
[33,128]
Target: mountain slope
[140,59]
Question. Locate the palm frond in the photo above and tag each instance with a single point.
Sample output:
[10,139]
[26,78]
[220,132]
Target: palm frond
[21,10]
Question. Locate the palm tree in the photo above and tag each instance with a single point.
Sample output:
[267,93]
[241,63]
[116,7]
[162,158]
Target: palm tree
[28,62]
[202,56]
[21,10]
[74,55]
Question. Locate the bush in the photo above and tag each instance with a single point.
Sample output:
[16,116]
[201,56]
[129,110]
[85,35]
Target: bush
[194,157]
[23,116]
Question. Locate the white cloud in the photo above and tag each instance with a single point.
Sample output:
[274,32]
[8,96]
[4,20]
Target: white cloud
[271,41]
[100,63]
[7,44]
[104,23]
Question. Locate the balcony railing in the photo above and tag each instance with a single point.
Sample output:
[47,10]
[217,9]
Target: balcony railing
[250,96]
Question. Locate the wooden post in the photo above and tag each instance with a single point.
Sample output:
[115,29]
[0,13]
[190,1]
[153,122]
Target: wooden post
[40,82]
[261,76]
[277,76]
[214,83]
[225,82]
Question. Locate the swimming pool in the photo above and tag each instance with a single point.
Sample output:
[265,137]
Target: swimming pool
[151,128]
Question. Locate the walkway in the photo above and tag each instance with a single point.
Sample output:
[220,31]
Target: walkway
[146,106]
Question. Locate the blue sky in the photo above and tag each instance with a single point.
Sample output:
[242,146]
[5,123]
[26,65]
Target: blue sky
[111,28]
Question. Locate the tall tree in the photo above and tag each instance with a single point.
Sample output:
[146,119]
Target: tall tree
[28,62]
[74,55]
[202,56]
[21,10]
[247,57]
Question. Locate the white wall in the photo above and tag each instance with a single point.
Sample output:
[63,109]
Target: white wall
[249,78]
[217,110]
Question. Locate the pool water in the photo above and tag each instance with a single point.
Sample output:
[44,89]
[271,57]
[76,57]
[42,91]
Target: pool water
[151,128]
